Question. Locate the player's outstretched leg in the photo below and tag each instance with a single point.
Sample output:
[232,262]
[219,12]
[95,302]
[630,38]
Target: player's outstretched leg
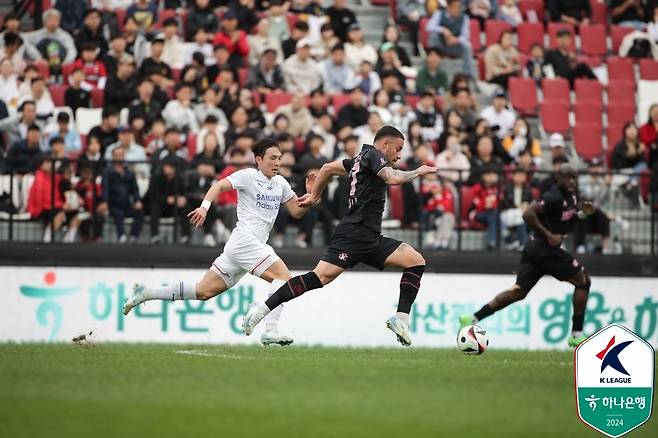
[209,286]
[582,282]
[324,273]
[500,301]
[413,264]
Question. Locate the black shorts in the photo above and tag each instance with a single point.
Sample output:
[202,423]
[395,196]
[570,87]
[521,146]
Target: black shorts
[352,244]
[539,259]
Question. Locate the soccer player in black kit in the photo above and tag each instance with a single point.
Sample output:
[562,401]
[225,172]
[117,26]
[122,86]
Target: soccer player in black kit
[550,220]
[357,238]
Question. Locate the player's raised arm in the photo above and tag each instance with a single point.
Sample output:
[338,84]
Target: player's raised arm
[198,215]
[327,171]
[396,177]
[293,204]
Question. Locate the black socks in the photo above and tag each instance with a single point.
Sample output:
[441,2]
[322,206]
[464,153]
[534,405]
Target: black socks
[409,285]
[293,288]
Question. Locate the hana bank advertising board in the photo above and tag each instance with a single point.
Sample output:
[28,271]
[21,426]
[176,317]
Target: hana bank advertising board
[55,304]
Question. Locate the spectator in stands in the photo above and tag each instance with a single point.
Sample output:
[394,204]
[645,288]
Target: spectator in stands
[233,38]
[166,197]
[501,60]
[301,121]
[324,129]
[354,113]
[54,43]
[197,184]
[11,24]
[463,104]
[449,32]
[392,35]
[516,198]
[368,79]
[564,61]
[627,13]
[262,40]
[429,118]
[155,62]
[500,119]
[93,211]
[17,125]
[356,48]
[227,202]
[459,81]
[245,11]
[208,107]
[239,126]
[652,26]
[8,82]
[92,157]
[453,127]
[319,103]
[41,204]
[172,53]
[146,14]
[228,92]
[155,138]
[92,32]
[145,106]
[431,76]
[367,132]
[536,65]
[120,196]
[179,113]
[380,105]
[438,215]
[594,187]
[121,88]
[336,74]
[388,62]
[93,69]
[73,12]
[574,12]
[117,50]
[279,127]
[521,140]
[201,16]
[548,182]
[106,132]
[19,53]
[41,96]
[66,132]
[266,76]
[172,150]
[132,151]
[24,155]
[452,163]
[300,71]
[75,96]
[509,12]
[484,160]
[255,117]
[299,31]
[136,43]
[486,201]
[276,14]
[482,128]
[649,135]
[322,47]
[558,148]
[628,157]
[391,84]
[409,13]
[211,148]
[341,18]
[481,10]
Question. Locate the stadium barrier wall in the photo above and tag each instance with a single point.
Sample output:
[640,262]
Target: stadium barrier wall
[43,304]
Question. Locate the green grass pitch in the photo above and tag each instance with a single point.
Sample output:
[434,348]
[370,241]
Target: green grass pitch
[115,390]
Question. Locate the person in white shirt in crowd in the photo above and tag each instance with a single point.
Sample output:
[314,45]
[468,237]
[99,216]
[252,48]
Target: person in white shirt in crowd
[132,151]
[8,84]
[367,132]
[261,40]
[380,105]
[451,161]
[324,128]
[199,44]
[211,125]
[16,126]
[208,107]
[357,50]
[500,119]
[337,75]
[261,193]
[429,118]
[172,53]
[66,131]
[41,96]
[300,71]
[179,113]
[53,33]
[299,117]
[20,54]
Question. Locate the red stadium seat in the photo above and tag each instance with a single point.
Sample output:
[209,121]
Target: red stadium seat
[649,69]
[175,74]
[393,11]
[474,31]
[43,67]
[379,2]
[184,15]
[291,18]
[97,98]
[57,93]
[588,112]
[555,117]
[67,70]
[599,12]
[466,203]
[275,100]
[554,28]
[121,17]
[617,33]
[592,40]
[493,29]
[614,135]
[411,100]
[529,34]
[587,140]
[338,101]
[588,90]
[481,66]
[191,146]
[556,90]
[621,92]
[523,95]
[397,203]
[532,5]
[620,69]
[243,74]
[422,30]
[163,15]
[621,113]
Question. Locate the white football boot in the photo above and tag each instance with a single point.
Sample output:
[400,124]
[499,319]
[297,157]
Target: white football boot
[273,337]
[137,298]
[401,330]
[255,314]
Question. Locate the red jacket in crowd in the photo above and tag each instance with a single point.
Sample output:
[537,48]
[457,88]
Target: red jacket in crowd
[443,200]
[485,198]
[40,197]
[90,194]
[93,71]
[239,47]
[230,197]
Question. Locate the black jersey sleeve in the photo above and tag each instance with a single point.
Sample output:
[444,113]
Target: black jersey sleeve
[347,164]
[551,203]
[375,161]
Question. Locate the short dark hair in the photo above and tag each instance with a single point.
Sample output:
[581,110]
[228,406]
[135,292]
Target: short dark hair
[109,112]
[63,117]
[171,21]
[55,140]
[560,159]
[27,102]
[93,11]
[301,25]
[337,46]
[33,127]
[11,39]
[172,130]
[88,46]
[562,33]
[434,50]
[261,146]
[211,119]
[388,131]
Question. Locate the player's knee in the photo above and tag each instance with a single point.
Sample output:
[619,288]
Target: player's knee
[518,293]
[583,281]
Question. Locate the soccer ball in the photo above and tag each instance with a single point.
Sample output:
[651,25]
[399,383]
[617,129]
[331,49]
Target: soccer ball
[472,339]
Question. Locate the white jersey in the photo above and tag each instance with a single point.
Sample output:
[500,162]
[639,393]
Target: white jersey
[259,200]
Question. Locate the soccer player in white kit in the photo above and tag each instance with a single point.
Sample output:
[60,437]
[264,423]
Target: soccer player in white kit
[261,192]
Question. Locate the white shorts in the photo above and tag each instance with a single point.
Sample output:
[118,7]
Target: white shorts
[243,253]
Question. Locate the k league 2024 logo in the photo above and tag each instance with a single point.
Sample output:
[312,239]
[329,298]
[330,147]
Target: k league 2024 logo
[615,374]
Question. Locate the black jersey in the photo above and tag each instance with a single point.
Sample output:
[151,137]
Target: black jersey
[559,210]
[367,191]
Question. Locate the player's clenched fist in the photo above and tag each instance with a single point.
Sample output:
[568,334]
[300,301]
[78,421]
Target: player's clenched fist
[198,216]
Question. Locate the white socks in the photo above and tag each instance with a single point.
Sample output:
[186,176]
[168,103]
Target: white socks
[404,317]
[577,334]
[183,290]
[272,318]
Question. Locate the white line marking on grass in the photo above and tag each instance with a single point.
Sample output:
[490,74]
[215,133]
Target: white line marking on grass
[205,353]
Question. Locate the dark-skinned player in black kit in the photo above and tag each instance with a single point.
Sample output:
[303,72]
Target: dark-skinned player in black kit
[357,238]
[550,220]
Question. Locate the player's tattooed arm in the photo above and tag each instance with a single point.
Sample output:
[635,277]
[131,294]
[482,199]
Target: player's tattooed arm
[531,217]
[322,179]
[396,177]
[198,216]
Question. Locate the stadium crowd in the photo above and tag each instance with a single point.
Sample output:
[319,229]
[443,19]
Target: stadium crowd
[184,89]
